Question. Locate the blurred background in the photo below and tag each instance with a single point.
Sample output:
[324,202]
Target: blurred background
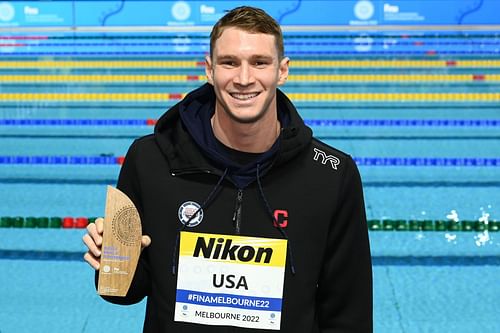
[411,89]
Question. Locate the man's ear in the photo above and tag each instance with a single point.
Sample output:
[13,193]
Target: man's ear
[209,70]
[283,70]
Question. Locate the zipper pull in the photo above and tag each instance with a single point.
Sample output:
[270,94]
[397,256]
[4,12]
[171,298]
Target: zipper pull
[237,211]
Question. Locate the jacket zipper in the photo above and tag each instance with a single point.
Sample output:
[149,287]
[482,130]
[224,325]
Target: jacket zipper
[237,212]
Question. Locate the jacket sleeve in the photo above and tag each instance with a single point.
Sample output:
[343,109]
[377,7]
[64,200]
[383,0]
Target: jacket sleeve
[345,286]
[129,183]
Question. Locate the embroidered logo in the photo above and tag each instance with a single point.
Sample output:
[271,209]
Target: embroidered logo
[281,217]
[186,212]
[326,158]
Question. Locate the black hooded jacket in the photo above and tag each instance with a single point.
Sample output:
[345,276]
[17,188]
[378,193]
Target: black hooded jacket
[328,277]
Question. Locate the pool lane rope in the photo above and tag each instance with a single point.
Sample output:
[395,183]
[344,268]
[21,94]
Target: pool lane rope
[360,161]
[12,122]
[69,222]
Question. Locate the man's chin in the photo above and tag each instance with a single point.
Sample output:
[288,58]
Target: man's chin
[248,117]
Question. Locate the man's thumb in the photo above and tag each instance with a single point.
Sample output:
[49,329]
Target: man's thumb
[145,241]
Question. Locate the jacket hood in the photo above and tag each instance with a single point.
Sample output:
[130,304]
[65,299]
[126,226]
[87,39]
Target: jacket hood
[185,130]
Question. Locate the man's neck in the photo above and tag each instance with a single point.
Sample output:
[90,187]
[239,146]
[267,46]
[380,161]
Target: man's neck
[251,138]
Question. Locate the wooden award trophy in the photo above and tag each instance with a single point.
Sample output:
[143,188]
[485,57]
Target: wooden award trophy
[121,244]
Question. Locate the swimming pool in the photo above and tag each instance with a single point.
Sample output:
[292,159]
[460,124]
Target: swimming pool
[423,127]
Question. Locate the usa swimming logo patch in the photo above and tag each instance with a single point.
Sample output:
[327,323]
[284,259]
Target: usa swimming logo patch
[186,212]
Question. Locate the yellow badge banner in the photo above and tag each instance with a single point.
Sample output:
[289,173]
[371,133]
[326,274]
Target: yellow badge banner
[234,249]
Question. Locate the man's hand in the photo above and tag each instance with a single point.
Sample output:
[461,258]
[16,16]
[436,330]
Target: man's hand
[93,241]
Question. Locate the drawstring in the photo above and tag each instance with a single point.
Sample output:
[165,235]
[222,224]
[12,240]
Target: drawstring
[212,196]
[270,212]
[205,204]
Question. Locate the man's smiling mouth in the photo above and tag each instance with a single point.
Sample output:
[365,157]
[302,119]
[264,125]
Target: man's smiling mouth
[243,97]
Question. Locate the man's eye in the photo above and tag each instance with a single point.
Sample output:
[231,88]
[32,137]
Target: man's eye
[228,63]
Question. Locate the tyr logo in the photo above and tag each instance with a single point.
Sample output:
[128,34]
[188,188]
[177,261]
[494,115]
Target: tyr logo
[326,158]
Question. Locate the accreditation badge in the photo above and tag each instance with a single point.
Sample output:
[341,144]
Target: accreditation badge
[230,280]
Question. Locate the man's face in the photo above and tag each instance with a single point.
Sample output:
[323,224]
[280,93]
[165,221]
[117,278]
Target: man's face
[245,72]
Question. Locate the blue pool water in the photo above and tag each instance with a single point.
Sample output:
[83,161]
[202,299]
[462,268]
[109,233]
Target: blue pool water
[424,281]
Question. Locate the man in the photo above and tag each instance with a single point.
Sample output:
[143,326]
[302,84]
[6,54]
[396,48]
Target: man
[233,169]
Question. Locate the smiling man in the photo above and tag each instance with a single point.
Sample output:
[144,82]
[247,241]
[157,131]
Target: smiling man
[245,69]
[249,222]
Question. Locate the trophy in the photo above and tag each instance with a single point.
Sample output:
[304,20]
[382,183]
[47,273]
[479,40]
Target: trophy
[121,244]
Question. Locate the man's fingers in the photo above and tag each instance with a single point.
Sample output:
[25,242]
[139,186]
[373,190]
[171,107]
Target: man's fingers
[93,240]
[91,245]
[99,223]
[93,237]
[95,231]
[91,260]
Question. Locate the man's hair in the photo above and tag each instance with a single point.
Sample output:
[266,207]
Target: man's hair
[252,20]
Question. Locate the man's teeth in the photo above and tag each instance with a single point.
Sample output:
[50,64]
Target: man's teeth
[244,96]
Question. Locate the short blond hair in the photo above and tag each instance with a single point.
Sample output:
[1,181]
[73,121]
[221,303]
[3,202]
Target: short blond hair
[250,19]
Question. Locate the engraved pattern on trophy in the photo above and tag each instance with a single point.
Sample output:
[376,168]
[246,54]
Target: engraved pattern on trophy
[126,226]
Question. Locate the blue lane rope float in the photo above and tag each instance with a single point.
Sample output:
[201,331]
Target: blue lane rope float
[361,161]
[309,122]
[404,122]
[202,53]
[74,122]
[347,43]
[428,161]
[488,35]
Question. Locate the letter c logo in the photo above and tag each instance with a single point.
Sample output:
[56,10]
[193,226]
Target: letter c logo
[281,217]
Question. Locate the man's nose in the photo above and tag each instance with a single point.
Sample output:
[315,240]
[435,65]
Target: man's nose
[244,76]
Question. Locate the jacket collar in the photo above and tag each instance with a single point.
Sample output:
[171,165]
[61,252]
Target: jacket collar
[183,134]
